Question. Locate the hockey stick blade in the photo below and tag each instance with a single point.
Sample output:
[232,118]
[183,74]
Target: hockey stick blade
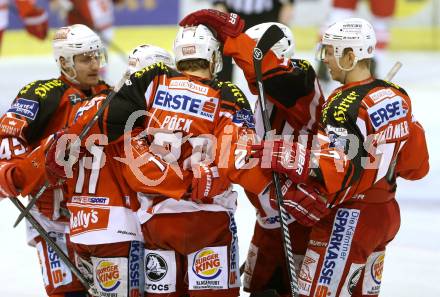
[272,35]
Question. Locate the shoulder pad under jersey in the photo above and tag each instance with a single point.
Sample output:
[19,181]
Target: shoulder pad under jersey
[385,84]
[232,94]
[41,90]
[154,68]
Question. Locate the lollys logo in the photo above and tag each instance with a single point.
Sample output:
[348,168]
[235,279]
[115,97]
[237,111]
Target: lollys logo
[107,274]
[207,264]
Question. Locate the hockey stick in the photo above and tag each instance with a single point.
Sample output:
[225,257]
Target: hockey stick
[55,247]
[390,75]
[272,35]
[31,203]
[77,143]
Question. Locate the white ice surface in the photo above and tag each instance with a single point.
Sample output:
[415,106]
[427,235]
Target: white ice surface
[412,266]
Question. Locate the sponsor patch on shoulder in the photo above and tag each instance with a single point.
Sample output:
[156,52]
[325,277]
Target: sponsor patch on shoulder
[382,94]
[12,126]
[387,110]
[25,107]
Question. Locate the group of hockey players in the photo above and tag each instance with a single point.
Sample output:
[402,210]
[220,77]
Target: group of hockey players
[143,204]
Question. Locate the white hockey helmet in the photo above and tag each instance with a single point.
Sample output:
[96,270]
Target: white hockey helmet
[198,42]
[146,55]
[285,48]
[354,33]
[74,40]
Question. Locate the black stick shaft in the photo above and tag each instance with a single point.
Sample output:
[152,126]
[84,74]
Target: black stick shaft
[272,35]
[52,244]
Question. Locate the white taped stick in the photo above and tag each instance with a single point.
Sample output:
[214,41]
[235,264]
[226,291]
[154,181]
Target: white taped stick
[390,75]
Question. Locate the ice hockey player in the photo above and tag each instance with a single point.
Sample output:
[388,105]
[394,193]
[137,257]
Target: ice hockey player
[368,135]
[199,120]
[102,197]
[40,109]
[35,19]
[296,103]
[381,16]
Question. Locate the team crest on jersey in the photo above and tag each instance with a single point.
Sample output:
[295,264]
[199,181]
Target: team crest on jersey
[25,107]
[186,102]
[107,274]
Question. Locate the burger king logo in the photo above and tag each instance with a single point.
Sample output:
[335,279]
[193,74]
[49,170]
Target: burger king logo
[207,264]
[107,274]
[377,269]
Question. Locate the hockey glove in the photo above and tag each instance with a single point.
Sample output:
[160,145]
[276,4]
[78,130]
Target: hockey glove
[206,184]
[26,175]
[36,23]
[61,155]
[291,159]
[7,186]
[304,203]
[224,24]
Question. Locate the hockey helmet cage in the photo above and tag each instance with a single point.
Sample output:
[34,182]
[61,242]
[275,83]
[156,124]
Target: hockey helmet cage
[145,55]
[74,40]
[285,48]
[354,33]
[198,42]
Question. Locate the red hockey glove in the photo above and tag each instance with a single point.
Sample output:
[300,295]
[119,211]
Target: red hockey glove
[284,157]
[207,185]
[7,186]
[304,203]
[224,24]
[36,23]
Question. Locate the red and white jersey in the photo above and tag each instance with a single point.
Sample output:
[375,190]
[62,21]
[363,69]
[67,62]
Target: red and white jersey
[186,114]
[40,109]
[102,194]
[368,138]
[294,96]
